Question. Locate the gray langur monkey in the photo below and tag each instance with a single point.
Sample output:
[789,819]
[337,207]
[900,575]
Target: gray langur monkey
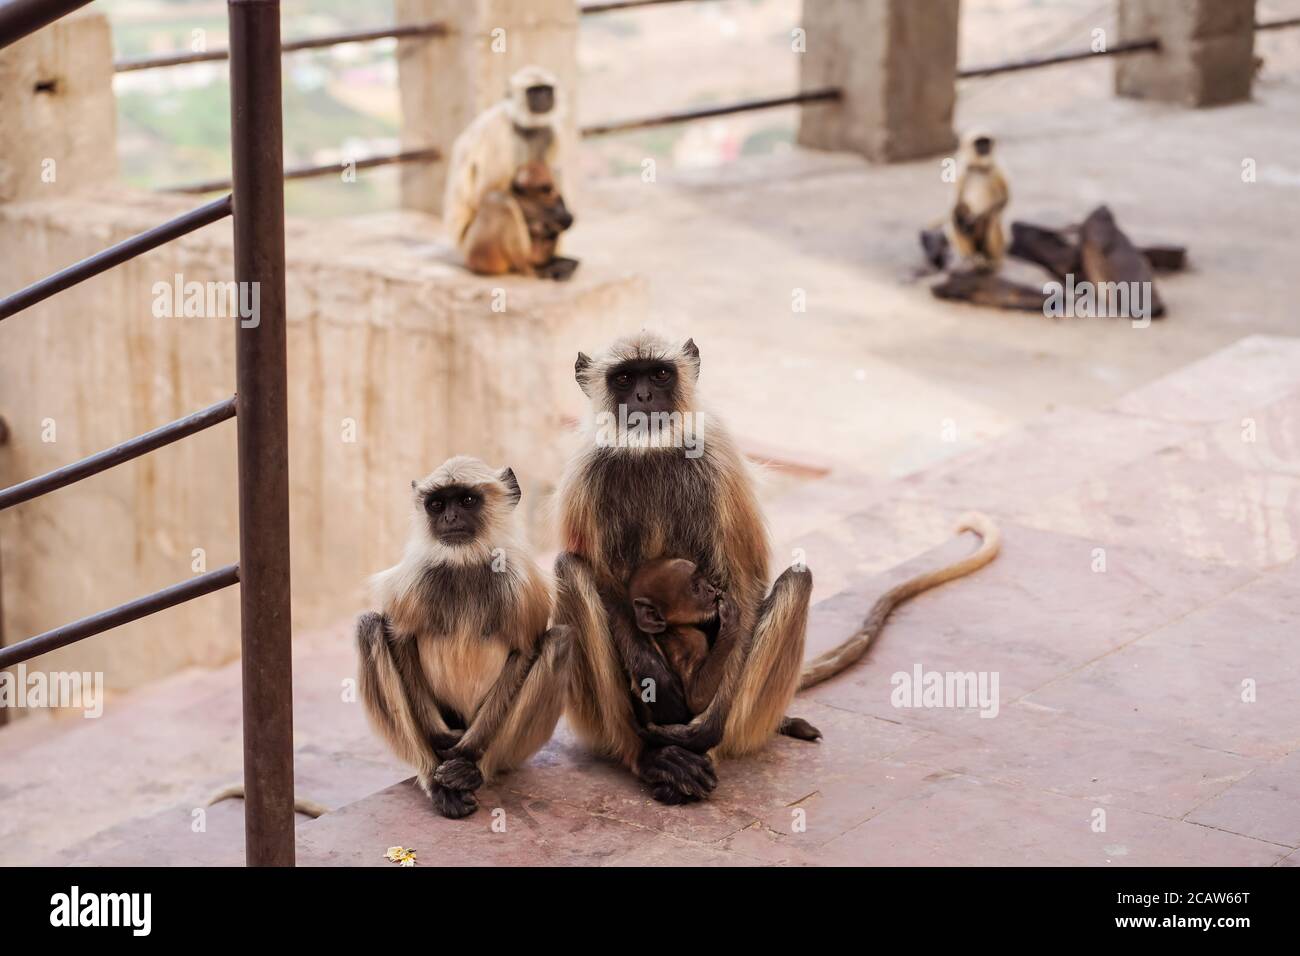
[521,129]
[458,671]
[628,499]
[980,197]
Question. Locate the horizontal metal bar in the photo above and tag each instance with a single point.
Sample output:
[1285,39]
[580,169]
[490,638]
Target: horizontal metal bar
[18,18]
[811,96]
[307,172]
[1278,24]
[585,9]
[1119,49]
[117,616]
[115,255]
[130,64]
[104,460]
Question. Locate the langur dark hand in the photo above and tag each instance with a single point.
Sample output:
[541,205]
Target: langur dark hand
[676,775]
[443,744]
[458,773]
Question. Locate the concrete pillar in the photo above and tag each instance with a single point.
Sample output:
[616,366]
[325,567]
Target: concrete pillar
[447,81]
[896,63]
[1207,53]
[58,117]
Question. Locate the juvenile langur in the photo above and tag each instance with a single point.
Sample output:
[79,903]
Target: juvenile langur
[981,195]
[519,232]
[521,129]
[693,625]
[459,672]
[673,604]
[642,497]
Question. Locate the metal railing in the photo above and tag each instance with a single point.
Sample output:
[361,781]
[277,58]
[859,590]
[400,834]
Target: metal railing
[131,64]
[1124,48]
[259,408]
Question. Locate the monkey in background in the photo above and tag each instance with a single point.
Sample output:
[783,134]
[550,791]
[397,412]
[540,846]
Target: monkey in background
[520,130]
[458,671]
[981,195]
[628,502]
[519,232]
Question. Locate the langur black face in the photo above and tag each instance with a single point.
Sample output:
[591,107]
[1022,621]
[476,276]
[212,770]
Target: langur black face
[643,385]
[455,513]
[983,145]
[541,98]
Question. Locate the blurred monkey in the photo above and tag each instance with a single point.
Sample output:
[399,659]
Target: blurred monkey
[981,195]
[520,130]
[519,231]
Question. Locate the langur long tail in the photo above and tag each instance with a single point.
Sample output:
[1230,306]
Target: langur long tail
[835,660]
[303,805]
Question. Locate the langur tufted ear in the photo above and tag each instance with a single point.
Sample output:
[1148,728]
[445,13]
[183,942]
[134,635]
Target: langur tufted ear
[579,372]
[692,353]
[513,494]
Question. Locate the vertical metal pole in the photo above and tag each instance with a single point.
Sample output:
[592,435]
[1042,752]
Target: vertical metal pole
[258,162]
[4,713]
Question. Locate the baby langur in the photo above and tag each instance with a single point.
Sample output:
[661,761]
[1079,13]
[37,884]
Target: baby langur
[678,609]
[519,232]
[459,673]
[520,130]
[977,210]
[672,602]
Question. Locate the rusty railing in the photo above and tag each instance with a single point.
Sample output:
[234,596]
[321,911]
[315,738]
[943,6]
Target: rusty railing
[1125,48]
[259,408]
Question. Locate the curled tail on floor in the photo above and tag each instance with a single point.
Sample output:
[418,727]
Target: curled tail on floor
[835,660]
[303,805]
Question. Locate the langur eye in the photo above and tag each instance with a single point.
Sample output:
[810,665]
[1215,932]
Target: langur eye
[622,381]
[436,504]
[662,374]
[469,501]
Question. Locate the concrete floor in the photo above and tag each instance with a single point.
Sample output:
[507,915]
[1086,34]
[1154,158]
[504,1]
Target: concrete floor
[866,378]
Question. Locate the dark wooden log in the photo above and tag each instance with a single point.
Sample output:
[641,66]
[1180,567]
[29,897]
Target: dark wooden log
[1108,255]
[1046,247]
[1057,250]
[986,288]
[1166,258]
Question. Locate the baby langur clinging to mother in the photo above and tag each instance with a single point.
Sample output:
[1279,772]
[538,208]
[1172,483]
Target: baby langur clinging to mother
[981,195]
[675,605]
[459,672]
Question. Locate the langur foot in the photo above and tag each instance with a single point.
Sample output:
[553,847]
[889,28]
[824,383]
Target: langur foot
[798,728]
[690,776]
[560,268]
[458,773]
[453,804]
[667,793]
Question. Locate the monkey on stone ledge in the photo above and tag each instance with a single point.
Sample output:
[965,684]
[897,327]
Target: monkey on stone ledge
[521,130]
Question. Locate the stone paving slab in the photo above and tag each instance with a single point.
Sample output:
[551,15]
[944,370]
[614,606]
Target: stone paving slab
[1037,613]
[1186,679]
[965,821]
[1226,386]
[1262,805]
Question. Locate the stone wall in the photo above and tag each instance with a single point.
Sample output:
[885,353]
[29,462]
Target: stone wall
[389,342]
